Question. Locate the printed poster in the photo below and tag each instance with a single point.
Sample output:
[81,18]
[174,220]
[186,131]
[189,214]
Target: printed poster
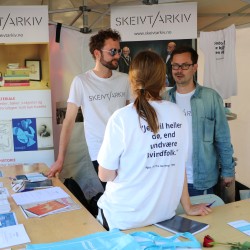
[26,130]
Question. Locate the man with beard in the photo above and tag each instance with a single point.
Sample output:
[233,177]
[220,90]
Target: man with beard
[210,148]
[99,92]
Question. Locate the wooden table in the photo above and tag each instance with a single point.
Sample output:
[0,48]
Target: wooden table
[77,223]
[51,228]
[217,220]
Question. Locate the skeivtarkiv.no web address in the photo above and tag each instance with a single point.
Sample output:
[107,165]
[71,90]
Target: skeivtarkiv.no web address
[153,33]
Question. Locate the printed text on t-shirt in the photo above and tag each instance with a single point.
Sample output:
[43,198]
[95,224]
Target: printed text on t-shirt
[161,146]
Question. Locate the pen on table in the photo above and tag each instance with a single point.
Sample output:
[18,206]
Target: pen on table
[210,204]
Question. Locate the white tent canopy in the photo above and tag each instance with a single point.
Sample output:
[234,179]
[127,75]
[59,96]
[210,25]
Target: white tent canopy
[91,15]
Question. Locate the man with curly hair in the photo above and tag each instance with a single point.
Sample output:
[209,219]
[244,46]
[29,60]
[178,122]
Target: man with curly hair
[99,92]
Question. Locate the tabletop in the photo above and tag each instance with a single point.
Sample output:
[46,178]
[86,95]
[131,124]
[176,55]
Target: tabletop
[55,227]
[217,220]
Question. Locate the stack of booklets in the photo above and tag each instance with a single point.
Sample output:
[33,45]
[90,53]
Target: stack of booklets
[35,181]
[16,76]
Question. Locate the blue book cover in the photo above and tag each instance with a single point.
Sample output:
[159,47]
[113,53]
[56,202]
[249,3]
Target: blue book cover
[7,219]
[24,134]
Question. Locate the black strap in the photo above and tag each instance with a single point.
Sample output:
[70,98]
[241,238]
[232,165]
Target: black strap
[58,32]
[104,221]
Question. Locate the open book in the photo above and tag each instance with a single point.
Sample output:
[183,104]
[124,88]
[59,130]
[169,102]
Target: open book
[178,224]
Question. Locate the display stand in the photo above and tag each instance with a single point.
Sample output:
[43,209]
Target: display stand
[25,95]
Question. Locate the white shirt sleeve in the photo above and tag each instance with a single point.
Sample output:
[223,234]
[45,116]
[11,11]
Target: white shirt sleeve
[112,146]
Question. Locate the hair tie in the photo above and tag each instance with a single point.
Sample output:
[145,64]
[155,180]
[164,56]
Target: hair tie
[142,91]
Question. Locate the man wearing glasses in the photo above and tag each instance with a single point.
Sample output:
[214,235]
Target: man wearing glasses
[209,143]
[99,92]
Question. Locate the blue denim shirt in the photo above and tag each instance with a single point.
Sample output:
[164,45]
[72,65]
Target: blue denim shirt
[211,137]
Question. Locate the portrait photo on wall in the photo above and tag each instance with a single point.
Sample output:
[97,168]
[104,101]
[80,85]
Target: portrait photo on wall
[162,47]
[35,69]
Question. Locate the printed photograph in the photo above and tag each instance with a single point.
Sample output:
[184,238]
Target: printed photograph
[44,132]
[35,69]
[163,47]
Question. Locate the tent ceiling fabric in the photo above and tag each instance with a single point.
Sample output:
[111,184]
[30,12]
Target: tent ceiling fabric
[95,14]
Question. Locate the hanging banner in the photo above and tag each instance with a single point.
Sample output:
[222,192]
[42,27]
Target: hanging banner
[155,22]
[26,127]
[19,24]
[26,131]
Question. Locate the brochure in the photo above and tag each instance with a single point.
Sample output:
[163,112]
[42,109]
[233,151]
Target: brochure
[13,235]
[45,208]
[7,219]
[179,224]
[69,206]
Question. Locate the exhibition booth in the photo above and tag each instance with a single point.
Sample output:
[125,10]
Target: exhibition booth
[40,58]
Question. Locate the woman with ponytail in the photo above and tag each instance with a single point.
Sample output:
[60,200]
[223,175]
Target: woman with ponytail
[143,154]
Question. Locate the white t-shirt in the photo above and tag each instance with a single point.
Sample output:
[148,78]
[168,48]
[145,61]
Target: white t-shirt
[98,98]
[183,101]
[150,167]
[220,61]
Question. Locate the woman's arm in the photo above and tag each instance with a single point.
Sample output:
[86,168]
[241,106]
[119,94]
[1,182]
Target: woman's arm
[106,175]
[197,209]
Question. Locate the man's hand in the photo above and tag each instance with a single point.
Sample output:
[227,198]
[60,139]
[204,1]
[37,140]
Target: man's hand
[227,181]
[55,169]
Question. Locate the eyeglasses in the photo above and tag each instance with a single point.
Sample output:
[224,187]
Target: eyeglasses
[113,52]
[183,66]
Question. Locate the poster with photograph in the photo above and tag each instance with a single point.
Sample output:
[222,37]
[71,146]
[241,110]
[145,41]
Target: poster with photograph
[26,125]
[156,28]
[160,47]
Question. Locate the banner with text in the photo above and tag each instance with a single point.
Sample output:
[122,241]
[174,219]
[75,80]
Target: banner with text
[26,127]
[19,24]
[26,131]
[155,22]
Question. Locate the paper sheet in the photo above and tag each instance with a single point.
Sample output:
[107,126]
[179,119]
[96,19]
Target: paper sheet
[241,225]
[13,235]
[40,195]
